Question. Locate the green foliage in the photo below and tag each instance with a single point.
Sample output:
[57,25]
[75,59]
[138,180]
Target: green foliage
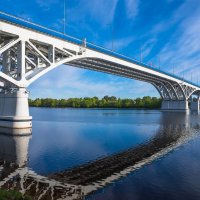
[12,195]
[95,102]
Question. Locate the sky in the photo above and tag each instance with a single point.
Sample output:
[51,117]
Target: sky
[167,31]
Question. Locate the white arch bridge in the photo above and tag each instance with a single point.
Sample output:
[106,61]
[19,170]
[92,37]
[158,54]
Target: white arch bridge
[28,51]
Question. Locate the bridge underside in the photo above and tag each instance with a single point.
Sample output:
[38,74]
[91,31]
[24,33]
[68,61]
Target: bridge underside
[26,56]
[175,96]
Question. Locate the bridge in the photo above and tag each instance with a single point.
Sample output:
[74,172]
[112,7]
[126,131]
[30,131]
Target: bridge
[28,51]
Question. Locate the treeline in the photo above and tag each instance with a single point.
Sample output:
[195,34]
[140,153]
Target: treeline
[95,102]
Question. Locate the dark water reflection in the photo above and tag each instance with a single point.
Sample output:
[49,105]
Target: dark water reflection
[106,154]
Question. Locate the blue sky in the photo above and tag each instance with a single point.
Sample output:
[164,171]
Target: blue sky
[166,30]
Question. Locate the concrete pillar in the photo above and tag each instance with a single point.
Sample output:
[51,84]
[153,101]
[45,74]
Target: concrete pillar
[174,105]
[14,109]
[194,105]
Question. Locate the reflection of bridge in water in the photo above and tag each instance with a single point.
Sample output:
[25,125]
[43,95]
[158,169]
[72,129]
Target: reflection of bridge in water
[77,182]
[14,175]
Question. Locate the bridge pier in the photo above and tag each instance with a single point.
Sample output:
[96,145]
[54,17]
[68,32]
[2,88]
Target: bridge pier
[194,104]
[14,110]
[175,105]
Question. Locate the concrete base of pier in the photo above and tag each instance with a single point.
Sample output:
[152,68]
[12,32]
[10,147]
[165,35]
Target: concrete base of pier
[194,105]
[14,109]
[175,105]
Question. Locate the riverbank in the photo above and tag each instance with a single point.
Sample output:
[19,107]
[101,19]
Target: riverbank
[94,102]
[12,195]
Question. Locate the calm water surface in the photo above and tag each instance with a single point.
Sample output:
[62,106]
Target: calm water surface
[166,144]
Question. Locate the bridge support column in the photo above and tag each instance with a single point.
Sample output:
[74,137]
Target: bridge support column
[194,104]
[174,105]
[14,109]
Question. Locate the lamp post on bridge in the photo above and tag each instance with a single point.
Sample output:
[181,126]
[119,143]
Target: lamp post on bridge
[112,27]
[112,35]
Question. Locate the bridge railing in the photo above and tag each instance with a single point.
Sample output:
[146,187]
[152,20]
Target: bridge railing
[39,28]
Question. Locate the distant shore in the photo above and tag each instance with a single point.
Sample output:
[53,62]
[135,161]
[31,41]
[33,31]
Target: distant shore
[146,102]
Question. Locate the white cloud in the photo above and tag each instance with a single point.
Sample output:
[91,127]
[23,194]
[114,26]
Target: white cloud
[119,44]
[132,8]
[102,12]
[183,46]
[147,46]
[68,82]
[46,4]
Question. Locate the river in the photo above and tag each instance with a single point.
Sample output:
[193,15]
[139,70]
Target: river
[104,154]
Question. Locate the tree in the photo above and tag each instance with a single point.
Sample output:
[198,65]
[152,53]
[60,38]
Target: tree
[94,102]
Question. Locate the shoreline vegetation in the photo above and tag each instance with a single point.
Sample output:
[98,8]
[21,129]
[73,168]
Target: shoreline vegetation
[146,102]
[12,195]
